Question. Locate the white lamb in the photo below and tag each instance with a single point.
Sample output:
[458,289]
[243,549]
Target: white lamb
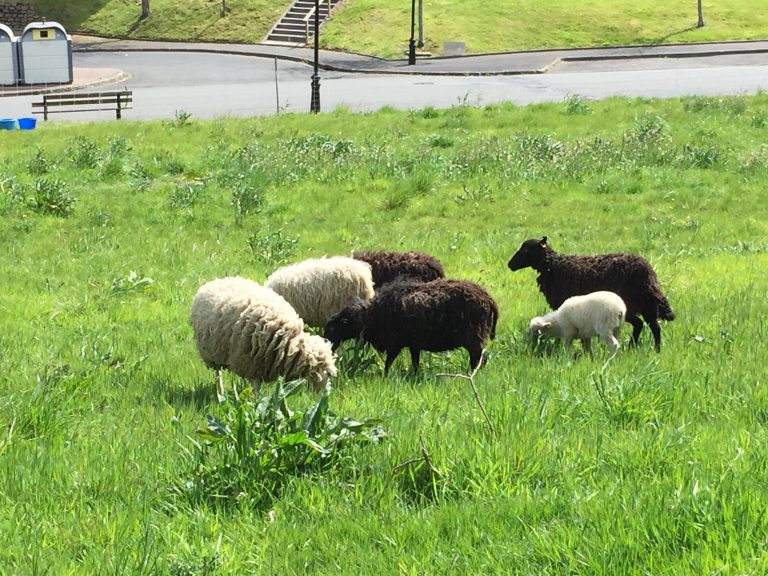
[253,332]
[319,288]
[596,314]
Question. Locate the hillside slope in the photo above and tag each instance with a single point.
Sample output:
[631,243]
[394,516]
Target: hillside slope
[383,28]
[199,20]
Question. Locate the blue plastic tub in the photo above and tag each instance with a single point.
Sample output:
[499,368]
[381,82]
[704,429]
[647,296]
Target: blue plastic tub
[27,123]
[7,124]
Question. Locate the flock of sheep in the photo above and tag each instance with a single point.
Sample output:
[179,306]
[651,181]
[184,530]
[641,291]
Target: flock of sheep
[395,300]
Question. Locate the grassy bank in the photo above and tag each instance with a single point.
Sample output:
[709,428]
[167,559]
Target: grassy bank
[519,25]
[383,28]
[653,463]
[184,20]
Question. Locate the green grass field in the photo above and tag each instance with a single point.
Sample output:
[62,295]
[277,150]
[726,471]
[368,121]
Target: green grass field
[648,464]
[185,20]
[525,25]
[383,28]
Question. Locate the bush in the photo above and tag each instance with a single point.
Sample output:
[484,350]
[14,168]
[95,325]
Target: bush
[250,452]
[52,197]
[272,247]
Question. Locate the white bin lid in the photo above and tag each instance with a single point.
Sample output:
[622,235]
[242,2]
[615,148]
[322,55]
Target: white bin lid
[6,34]
[44,26]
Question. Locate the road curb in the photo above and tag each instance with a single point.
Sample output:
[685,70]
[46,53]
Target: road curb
[321,65]
[37,90]
[383,67]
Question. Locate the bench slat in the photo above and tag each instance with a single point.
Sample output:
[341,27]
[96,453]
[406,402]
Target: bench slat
[80,102]
[79,95]
[116,101]
[79,110]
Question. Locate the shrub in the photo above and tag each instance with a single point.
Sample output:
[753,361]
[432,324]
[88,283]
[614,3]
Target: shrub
[575,104]
[272,247]
[52,197]
[85,153]
[113,164]
[249,453]
[246,200]
[184,197]
[39,164]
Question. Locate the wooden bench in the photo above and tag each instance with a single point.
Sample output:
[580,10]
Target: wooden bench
[84,102]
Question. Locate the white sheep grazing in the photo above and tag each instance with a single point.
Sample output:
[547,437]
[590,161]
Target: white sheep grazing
[253,332]
[596,314]
[319,288]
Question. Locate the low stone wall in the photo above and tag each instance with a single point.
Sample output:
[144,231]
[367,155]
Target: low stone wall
[17,16]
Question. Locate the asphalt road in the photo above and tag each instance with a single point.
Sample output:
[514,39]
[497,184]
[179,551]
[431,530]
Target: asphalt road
[214,85]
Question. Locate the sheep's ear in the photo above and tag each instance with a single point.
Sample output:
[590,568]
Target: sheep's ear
[543,241]
[546,325]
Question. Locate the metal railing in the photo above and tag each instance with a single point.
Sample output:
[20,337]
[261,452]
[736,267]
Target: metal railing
[308,17]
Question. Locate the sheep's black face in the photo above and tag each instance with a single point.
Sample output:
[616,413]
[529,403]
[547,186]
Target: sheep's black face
[529,255]
[345,325]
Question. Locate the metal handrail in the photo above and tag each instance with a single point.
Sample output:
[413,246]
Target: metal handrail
[309,15]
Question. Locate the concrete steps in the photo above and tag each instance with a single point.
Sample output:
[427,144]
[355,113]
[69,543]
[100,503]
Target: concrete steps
[292,27]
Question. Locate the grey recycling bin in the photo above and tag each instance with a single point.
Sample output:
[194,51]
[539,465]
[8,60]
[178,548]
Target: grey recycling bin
[45,54]
[9,66]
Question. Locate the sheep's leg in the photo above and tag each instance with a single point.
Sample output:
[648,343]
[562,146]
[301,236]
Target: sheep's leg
[637,327]
[219,383]
[653,324]
[256,385]
[391,355]
[475,356]
[415,353]
[586,344]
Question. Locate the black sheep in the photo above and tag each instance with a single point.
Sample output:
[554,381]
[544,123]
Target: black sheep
[436,316]
[386,266]
[628,275]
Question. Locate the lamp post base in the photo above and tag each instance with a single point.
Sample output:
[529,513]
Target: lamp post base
[411,52]
[314,105]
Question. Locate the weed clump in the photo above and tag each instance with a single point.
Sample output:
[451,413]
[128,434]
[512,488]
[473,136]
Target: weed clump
[248,454]
[52,197]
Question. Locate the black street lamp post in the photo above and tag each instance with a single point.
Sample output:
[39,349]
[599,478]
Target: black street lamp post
[314,105]
[412,41]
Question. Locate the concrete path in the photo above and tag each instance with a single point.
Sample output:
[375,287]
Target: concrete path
[502,64]
[509,63]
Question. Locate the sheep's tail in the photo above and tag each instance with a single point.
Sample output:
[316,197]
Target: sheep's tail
[665,310]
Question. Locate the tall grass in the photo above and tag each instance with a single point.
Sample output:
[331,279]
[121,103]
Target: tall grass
[647,463]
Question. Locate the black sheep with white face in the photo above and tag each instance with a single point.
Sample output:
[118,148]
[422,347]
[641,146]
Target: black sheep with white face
[436,316]
[628,275]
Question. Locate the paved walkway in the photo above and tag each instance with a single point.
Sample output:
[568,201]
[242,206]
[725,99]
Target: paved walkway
[82,78]
[510,63]
[530,62]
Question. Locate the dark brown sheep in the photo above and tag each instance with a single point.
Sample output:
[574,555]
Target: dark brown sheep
[436,316]
[628,275]
[386,266]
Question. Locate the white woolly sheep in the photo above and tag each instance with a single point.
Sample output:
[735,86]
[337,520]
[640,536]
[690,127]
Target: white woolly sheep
[596,314]
[254,333]
[319,288]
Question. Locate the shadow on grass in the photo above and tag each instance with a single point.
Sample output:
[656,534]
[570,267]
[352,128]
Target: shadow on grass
[664,39]
[72,15]
[200,396]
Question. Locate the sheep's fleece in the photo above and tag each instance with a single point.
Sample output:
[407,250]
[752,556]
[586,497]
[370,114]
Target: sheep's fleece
[319,288]
[599,313]
[256,334]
